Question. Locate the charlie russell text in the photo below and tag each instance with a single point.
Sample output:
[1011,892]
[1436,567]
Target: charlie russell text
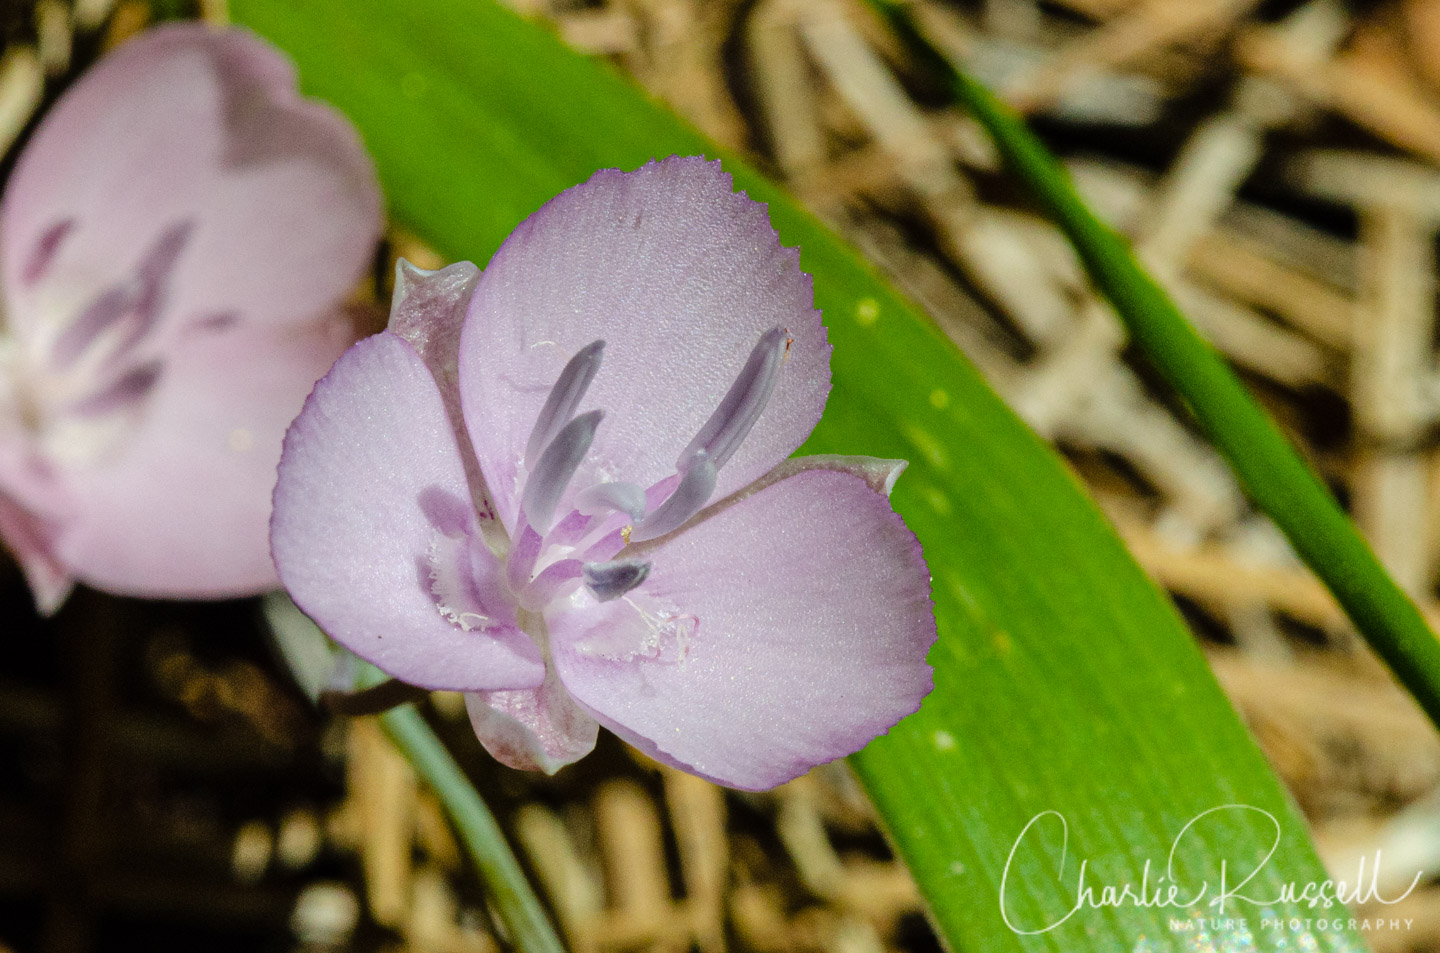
[1236,884]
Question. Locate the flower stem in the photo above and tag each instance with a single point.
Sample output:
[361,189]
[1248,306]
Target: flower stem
[516,905]
[1269,469]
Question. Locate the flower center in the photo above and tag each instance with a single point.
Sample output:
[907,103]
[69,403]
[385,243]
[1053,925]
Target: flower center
[555,556]
[78,386]
[607,516]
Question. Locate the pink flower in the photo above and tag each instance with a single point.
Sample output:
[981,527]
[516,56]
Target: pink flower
[174,244]
[562,488]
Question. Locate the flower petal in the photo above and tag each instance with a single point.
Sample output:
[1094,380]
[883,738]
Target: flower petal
[192,140]
[680,276]
[428,310]
[537,729]
[180,508]
[371,486]
[29,540]
[783,631]
[171,242]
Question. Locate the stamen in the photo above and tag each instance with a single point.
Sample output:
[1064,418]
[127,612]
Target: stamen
[605,498]
[693,492]
[564,397]
[520,562]
[43,254]
[555,469]
[102,313]
[613,579]
[132,308]
[550,583]
[607,546]
[126,391]
[741,407]
[572,527]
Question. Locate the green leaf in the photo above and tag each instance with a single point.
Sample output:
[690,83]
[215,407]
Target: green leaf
[1066,681]
[1272,473]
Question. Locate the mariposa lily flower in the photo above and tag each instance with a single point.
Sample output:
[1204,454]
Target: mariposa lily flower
[175,242]
[562,487]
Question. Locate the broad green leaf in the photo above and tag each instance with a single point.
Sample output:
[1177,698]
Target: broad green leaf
[1066,682]
[1272,473]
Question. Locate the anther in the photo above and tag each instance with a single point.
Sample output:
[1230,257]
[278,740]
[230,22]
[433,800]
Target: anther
[693,492]
[728,426]
[132,307]
[564,397]
[613,579]
[556,468]
[700,462]
[605,498]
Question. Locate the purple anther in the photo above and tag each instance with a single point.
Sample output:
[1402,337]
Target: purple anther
[555,469]
[728,426]
[613,579]
[693,493]
[603,499]
[564,397]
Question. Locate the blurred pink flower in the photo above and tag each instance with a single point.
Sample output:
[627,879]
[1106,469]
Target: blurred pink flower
[449,510]
[175,243]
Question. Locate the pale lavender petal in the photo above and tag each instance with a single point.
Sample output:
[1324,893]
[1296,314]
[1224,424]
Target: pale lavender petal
[428,310]
[680,276]
[779,633]
[29,540]
[539,729]
[187,131]
[180,507]
[371,511]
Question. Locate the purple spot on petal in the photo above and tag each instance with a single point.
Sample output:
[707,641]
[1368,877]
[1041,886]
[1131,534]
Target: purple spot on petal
[450,515]
[44,252]
[214,322]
